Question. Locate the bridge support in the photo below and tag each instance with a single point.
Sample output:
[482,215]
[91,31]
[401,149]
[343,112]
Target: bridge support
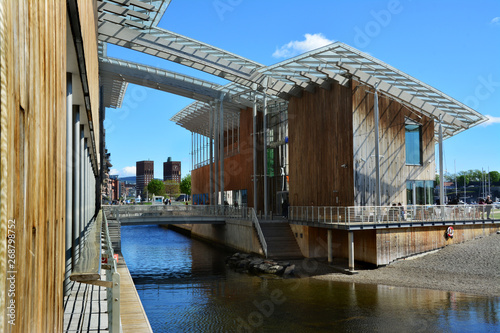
[329,243]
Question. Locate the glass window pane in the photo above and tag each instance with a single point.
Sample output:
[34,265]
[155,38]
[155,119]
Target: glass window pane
[420,192]
[409,193]
[413,144]
[429,192]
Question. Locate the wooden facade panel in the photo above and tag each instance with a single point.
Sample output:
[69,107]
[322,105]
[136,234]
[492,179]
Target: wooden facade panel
[33,68]
[87,11]
[320,147]
[393,169]
[393,244]
[33,160]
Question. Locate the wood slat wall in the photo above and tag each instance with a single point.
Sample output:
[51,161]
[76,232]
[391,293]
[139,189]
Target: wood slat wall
[320,142]
[33,156]
[393,169]
[88,19]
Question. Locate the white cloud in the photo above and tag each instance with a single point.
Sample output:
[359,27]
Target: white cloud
[295,47]
[491,120]
[125,172]
[495,21]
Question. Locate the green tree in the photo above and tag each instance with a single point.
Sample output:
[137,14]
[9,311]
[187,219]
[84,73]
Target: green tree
[495,176]
[186,185]
[437,179]
[156,187]
[460,179]
[172,188]
[475,175]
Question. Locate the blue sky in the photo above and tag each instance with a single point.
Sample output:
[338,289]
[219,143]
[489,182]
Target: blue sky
[453,46]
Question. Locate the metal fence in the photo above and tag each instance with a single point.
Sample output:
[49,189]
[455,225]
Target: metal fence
[232,212]
[389,214]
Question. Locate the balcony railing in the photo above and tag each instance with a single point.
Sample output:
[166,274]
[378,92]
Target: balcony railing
[390,214]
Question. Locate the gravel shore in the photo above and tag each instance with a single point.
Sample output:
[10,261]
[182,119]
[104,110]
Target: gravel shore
[472,267]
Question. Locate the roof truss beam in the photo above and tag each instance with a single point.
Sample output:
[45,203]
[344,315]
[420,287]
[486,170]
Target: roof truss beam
[397,93]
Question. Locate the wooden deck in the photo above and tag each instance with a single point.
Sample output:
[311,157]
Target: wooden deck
[133,316]
[85,308]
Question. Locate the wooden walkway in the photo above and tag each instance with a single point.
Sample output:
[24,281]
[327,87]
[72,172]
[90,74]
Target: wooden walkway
[134,319]
[86,309]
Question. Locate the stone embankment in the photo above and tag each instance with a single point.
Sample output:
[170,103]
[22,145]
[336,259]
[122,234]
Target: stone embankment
[246,263]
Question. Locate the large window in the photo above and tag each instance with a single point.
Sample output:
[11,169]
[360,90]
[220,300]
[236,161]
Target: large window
[420,192]
[413,143]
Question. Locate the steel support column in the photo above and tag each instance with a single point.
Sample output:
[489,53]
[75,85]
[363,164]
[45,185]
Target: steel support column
[350,242]
[81,227]
[255,147]
[329,244]
[222,147]
[211,168]
[264,146]
[441,167]
[378,198]
[216,148]
[77,208]
[69,180]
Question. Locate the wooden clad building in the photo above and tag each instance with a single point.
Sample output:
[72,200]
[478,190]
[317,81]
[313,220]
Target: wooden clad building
[332,141]
[49,73]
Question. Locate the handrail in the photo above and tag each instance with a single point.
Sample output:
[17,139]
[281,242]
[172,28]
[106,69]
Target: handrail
[256,223]
[389,214]
[88,267]
[113,292]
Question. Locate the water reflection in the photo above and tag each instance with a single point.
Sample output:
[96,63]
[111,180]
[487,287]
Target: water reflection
[185,287]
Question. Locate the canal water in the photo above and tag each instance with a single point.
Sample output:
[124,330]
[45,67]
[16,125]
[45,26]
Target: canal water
[185,286]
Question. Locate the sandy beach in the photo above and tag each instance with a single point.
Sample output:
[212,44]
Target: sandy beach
[472,267]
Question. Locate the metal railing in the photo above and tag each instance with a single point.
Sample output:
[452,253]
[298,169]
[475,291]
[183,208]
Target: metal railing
[113,293]
[390,214]
[178,210]
[256,224]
